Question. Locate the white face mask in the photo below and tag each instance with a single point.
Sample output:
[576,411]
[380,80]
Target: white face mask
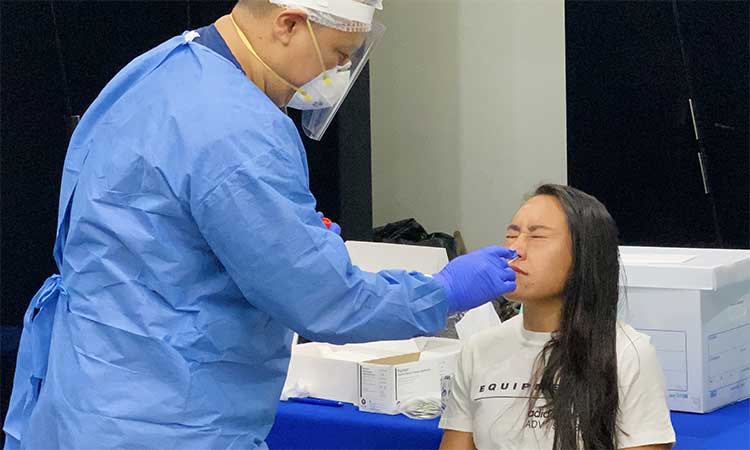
[323,91]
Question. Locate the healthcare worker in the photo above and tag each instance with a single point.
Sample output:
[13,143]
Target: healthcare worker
[189,246]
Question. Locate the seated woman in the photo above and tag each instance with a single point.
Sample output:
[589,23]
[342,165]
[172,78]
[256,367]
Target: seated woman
[564,374]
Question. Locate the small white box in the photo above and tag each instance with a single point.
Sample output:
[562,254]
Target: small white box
[331,371]
[385,383]
[334,372]
[377,256]
[695,305]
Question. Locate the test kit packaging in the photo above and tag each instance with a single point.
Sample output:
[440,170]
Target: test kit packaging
[695,306]
[332,371]
[376,376]
[387,382]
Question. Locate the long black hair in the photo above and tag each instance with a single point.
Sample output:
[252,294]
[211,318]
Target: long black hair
[576,372]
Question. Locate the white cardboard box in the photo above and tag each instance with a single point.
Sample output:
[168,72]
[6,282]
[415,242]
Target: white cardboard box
[377,256]
[335,372]
[330,371]
[385,383]
[695,305]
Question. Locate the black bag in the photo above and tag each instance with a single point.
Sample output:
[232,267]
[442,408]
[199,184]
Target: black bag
[410,232]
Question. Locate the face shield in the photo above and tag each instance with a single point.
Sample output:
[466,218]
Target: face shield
[322,97]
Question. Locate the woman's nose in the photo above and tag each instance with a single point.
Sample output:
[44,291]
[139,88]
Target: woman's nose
[519,245]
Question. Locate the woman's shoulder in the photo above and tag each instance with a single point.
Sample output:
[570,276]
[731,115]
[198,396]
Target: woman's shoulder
[634,349]
[629,339]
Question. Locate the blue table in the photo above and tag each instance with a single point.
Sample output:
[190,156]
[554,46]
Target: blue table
[303,426]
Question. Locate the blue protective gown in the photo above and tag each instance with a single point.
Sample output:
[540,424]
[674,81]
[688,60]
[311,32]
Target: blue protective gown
[189,248]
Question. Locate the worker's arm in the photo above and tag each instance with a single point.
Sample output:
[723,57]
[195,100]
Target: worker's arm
[457,440]
[260,220]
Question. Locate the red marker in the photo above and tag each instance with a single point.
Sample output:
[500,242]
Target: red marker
[327,222]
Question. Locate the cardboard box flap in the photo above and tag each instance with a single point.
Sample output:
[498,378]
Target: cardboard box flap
[438,344]
[383,348]
[683,268]
[394,360]
[377,256]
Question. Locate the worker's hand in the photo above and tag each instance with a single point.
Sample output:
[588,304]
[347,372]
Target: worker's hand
[331,225]
[476,278]
[336,228]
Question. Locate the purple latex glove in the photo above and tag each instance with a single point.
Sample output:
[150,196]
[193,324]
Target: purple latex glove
[476,278]
[331,225]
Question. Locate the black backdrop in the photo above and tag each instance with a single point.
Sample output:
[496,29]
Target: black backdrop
[630,136]
[97,38]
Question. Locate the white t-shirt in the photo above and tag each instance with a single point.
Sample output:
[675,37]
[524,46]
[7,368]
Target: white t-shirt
[490,392]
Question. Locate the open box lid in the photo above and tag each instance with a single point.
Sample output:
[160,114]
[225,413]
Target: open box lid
[377,352]
[683,268]
[356,352]
[427,348]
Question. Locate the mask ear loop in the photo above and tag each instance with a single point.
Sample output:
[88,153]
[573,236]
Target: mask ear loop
[249,46]
[326,78]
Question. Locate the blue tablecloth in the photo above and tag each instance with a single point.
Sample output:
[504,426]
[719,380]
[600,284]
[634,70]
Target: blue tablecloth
[303,426]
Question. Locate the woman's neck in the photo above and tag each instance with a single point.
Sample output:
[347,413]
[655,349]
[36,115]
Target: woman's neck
[542,316]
